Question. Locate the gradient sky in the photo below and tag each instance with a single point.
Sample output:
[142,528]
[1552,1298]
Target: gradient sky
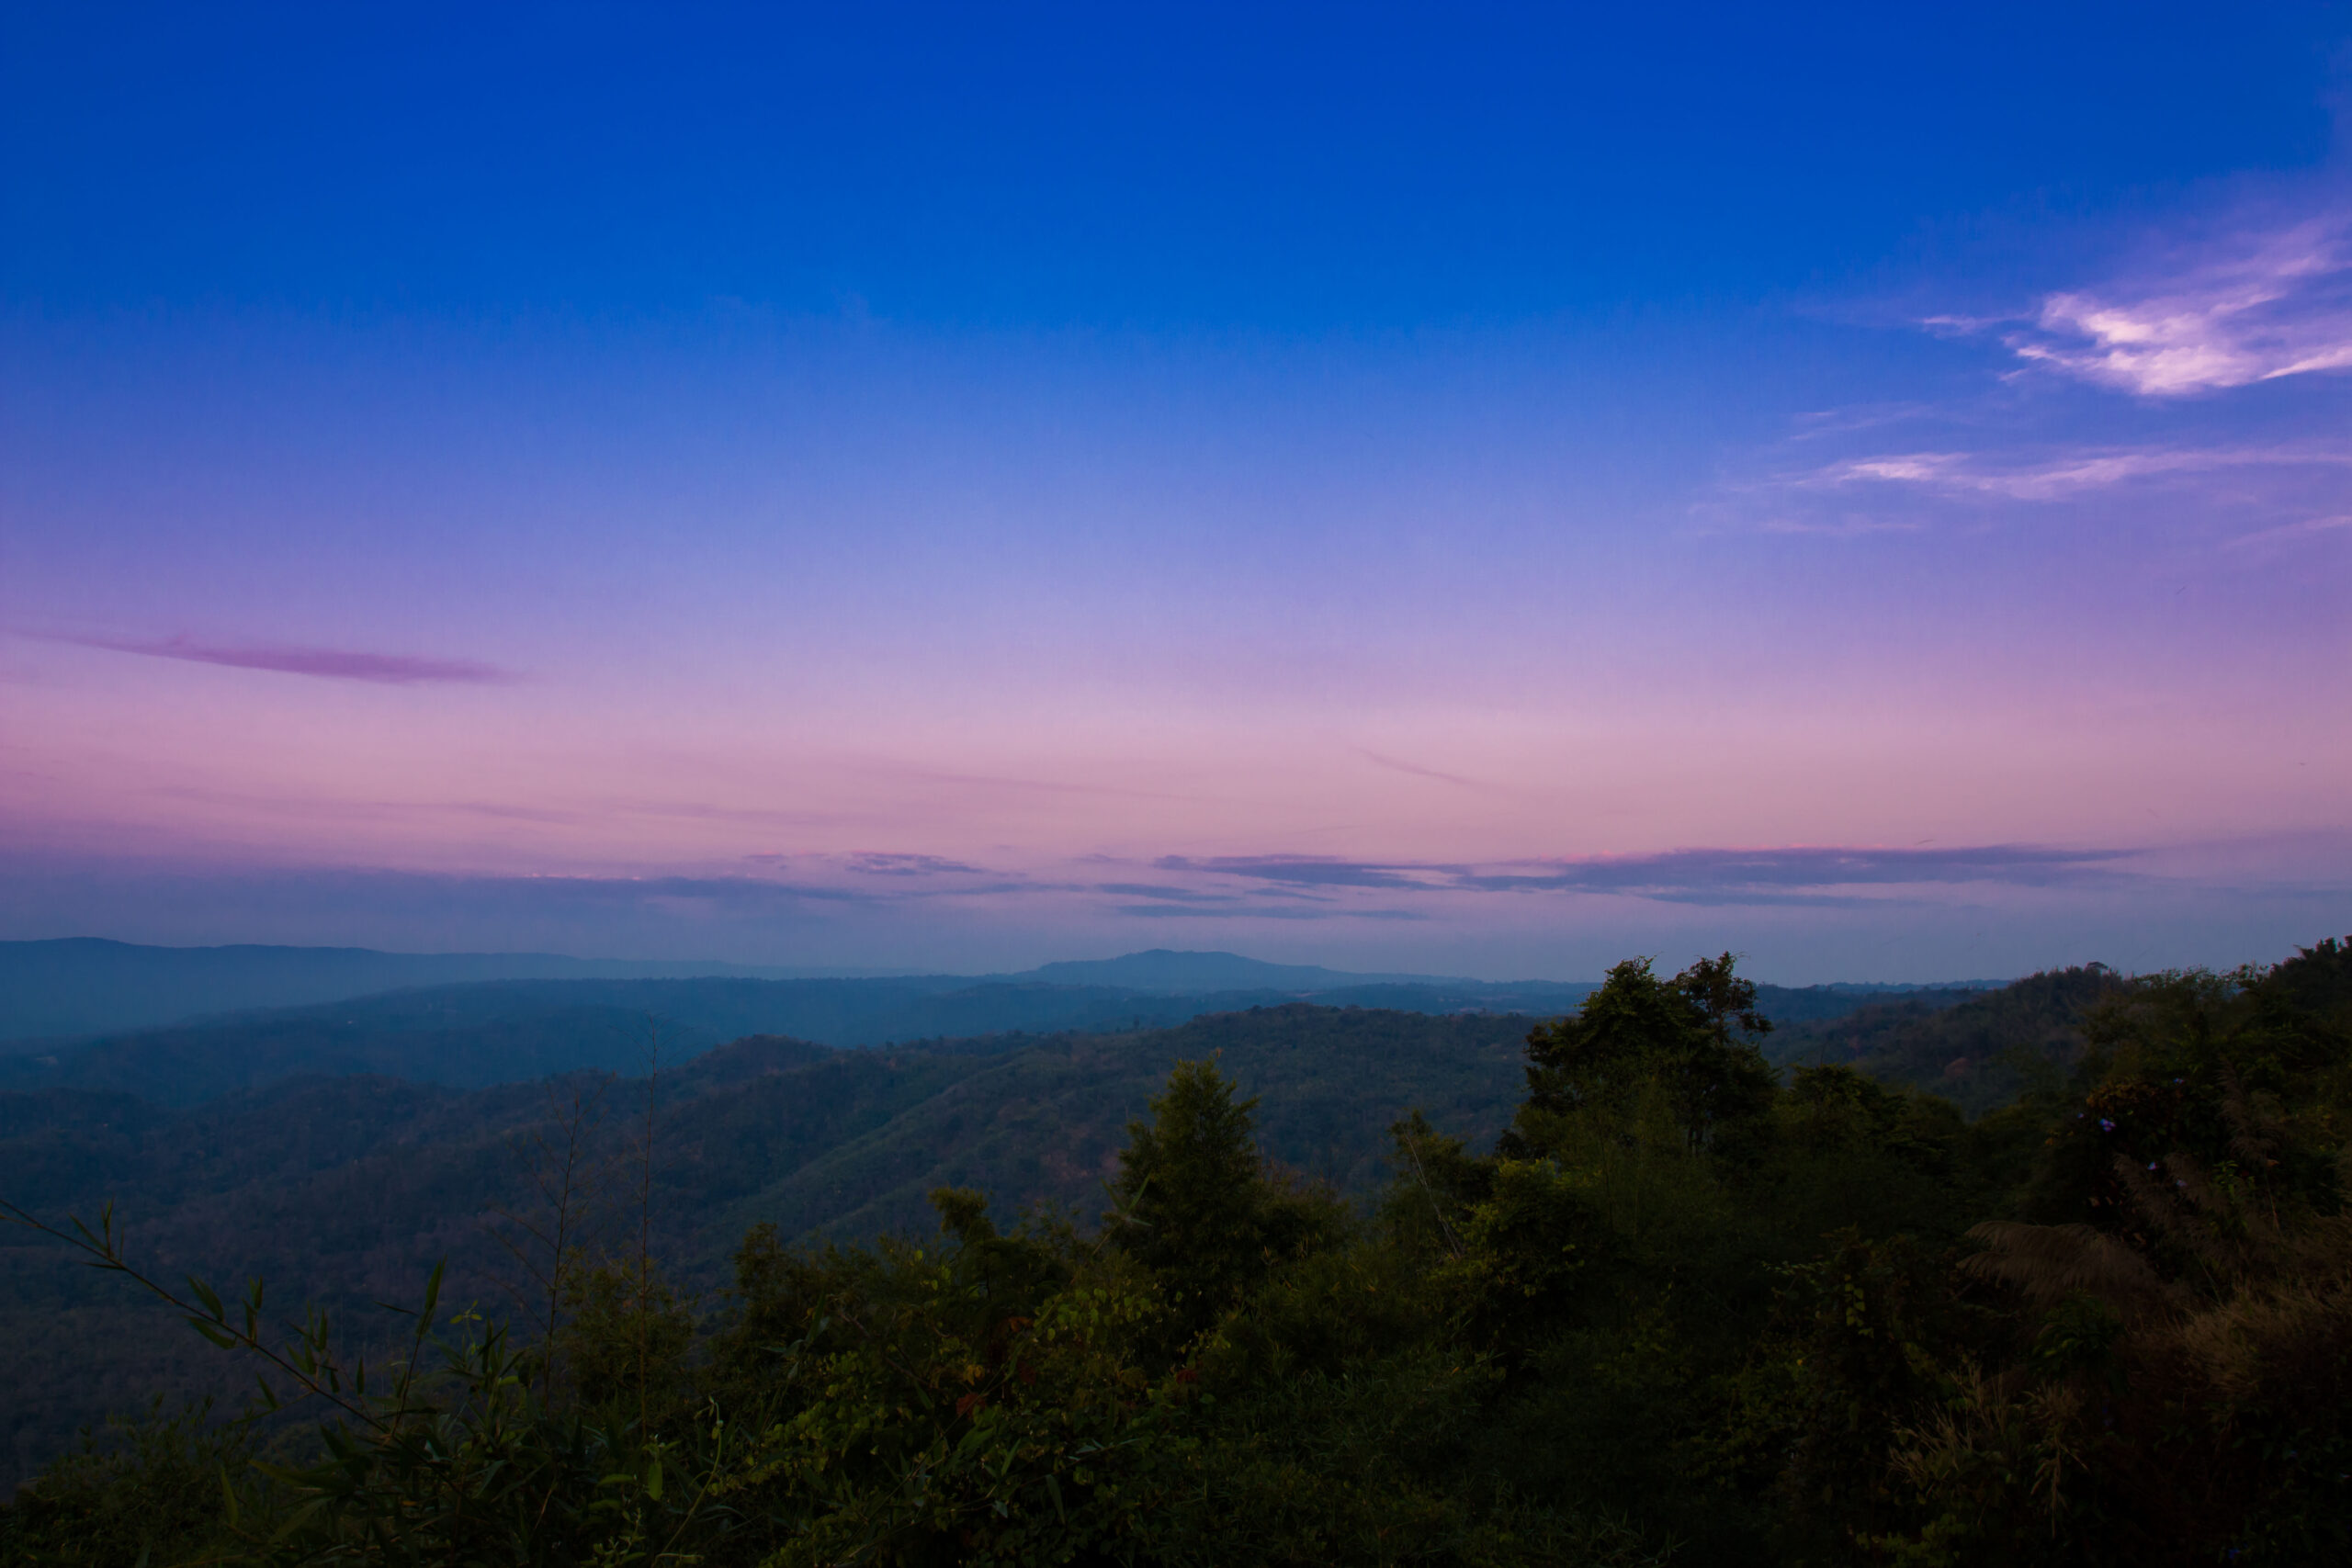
[1461,489]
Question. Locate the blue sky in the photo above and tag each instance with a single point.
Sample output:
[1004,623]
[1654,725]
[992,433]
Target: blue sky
[1287,171]
[882,487]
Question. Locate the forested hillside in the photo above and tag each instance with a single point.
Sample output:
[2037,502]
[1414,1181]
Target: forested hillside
[339,1150]
[349,1187]
[1297,1285]
[1979,1050]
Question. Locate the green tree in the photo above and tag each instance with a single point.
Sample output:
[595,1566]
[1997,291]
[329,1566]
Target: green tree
[1692,1036]
[1195,1203]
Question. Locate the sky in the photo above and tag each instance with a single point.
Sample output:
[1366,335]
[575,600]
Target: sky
[1468,490]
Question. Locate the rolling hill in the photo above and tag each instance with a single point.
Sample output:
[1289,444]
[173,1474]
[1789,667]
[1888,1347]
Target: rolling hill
[1974,1049]
[473,1034]
[82,986]
[337,1151]
[346,1188]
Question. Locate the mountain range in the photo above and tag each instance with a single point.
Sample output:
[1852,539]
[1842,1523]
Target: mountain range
[482,1032]
[338,1148]
[55,992]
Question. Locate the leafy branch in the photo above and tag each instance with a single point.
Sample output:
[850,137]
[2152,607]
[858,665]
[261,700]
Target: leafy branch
[306,1358]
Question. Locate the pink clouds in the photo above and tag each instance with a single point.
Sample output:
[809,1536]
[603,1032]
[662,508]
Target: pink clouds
[2269,306]
[2235,303]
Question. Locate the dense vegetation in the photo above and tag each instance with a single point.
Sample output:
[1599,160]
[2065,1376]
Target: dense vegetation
[1979,1050]
[312,1146]
[346,1189]
[1689,1307]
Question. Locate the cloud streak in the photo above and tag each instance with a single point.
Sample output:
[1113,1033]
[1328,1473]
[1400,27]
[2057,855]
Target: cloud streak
[2258,303]
[2305,529]
[2062,477]
[2280,306]
[1801,874]
[328,663]
[1809,866]
[1164,890]
[1308,871]
[1267,912]
[879,864]
[1416,771]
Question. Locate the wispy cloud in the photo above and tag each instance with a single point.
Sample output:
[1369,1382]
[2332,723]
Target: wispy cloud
[1824,423]
[888,875]
[1806,866]
[2248,301]
[888,865]
[2285,531]
[717,892]
[1164,890]
[2271,306]
[2047,478]
[1309,871]
[1397,765]
[757,891]
[330,663]
[1269,912]
[1799,874]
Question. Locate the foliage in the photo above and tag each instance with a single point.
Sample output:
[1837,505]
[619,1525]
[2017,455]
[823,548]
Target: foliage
[347,1189]
[1980,1050]
[1683,1312]
[1194,1205]
[1691,1038]
[142,1491]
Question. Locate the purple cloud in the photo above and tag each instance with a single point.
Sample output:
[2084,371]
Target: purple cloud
[875,864]
[1269,912]
[1699,876]
[334,664]
[1686,873]
[1303,871]
[1163,890]
[1418,772]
